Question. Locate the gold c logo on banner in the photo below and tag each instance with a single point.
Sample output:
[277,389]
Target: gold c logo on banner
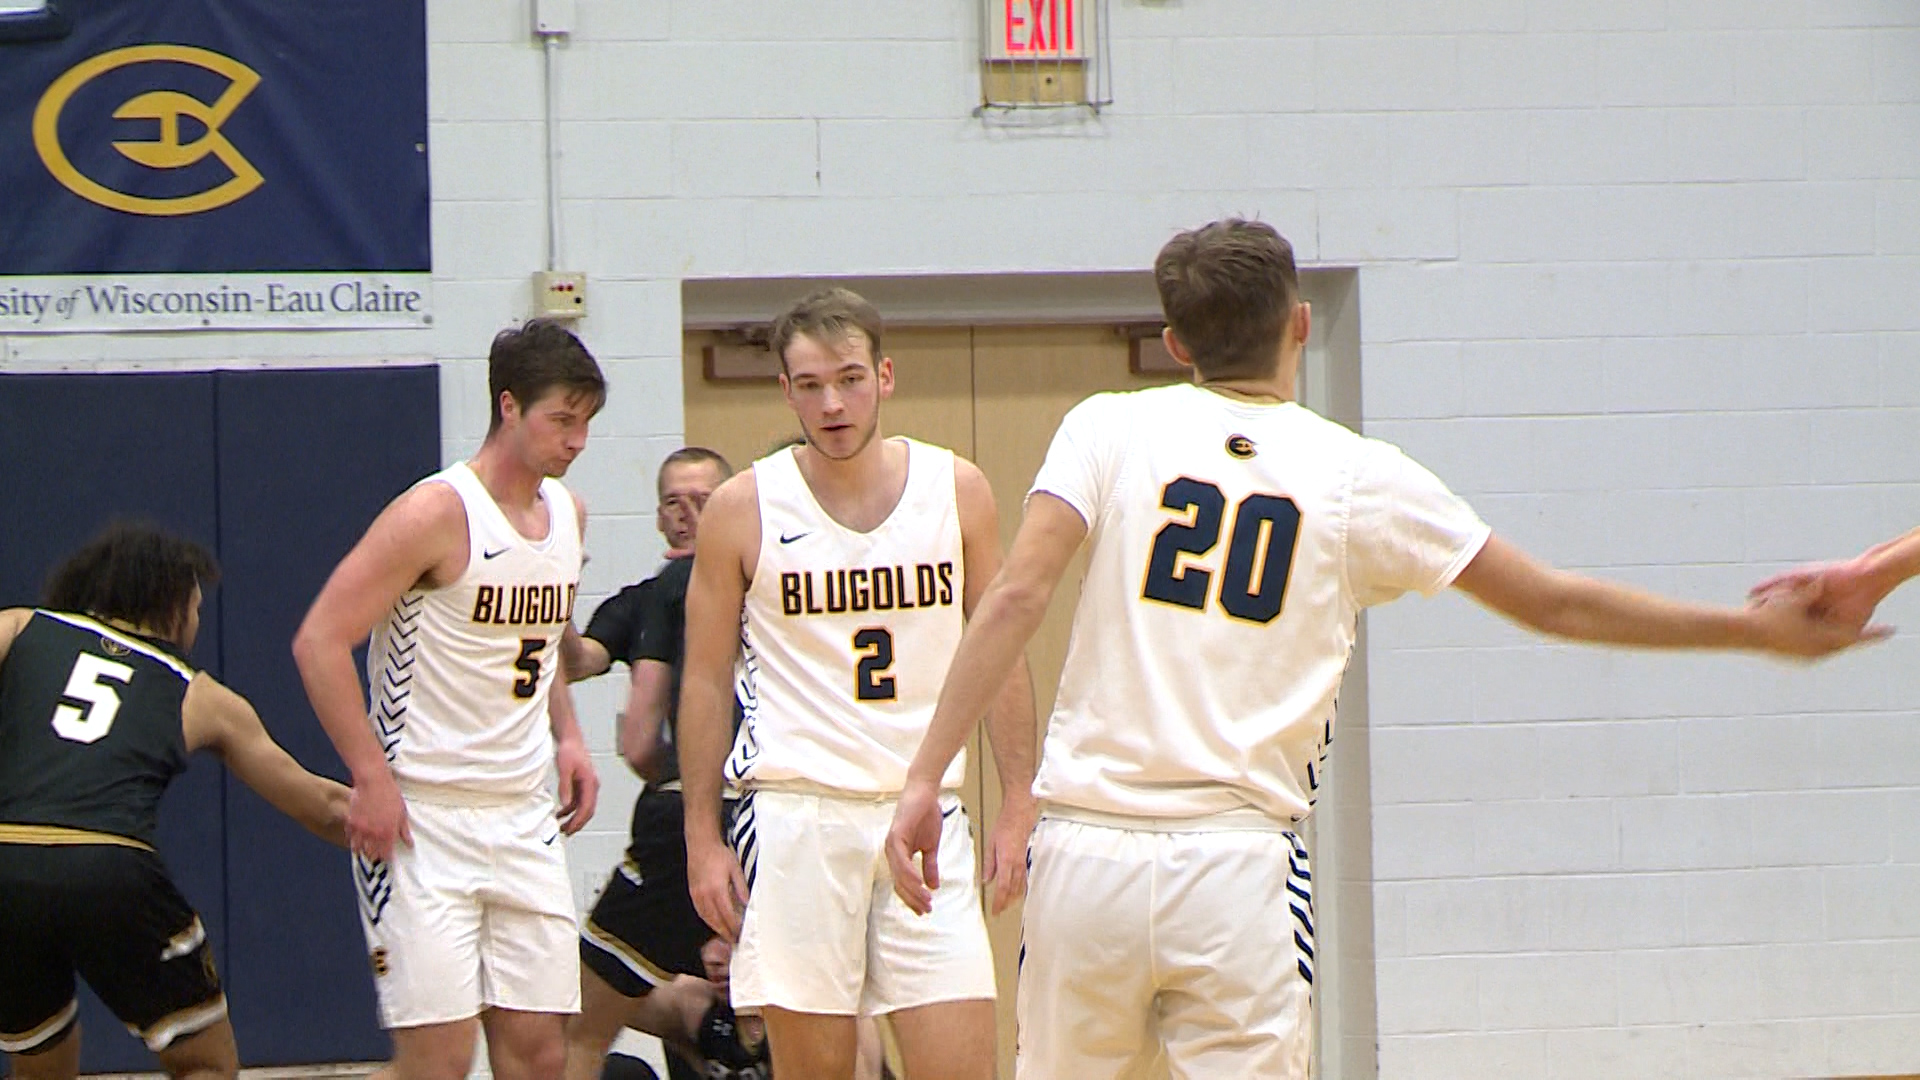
[166,152]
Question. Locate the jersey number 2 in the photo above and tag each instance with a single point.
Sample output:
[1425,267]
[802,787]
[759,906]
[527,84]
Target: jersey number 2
[1260,544]
[90,721]
[870,681]
[528,666]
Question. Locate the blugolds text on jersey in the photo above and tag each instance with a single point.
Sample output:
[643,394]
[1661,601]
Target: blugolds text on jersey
[524,605]
[878,588]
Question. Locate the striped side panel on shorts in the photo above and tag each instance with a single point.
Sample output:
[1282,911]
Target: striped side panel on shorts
[1300,902]
[744,837]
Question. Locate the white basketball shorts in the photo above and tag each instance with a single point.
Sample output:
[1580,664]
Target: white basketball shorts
[824,932]
[477,913]
[1141,946]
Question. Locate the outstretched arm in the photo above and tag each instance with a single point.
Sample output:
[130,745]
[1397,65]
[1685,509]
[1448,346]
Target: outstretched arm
[1005,620]
[581,657]
[1569,605]
[1895,561]
[217,719]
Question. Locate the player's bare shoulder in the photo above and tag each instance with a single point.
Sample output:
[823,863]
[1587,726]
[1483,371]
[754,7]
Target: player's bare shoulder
[730,523]
[211,711]
[426,525]
[974,496]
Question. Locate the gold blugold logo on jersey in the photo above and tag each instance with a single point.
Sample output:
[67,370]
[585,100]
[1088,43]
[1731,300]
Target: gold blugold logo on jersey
[867,588]
[168,108]
[524,605]
[112,647]
[1240,446]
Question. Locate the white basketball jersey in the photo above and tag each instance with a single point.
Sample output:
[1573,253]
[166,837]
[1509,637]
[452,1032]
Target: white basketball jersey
[1233,545]
[846,636]
[459,676]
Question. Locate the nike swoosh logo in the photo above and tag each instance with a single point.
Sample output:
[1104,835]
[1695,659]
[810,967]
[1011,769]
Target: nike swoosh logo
[493,554]
[785,539]
[549,840]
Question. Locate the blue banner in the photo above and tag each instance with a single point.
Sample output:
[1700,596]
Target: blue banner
[214,163]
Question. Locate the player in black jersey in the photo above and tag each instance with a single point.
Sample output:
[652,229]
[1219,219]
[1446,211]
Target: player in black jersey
[98,712]
[640,950]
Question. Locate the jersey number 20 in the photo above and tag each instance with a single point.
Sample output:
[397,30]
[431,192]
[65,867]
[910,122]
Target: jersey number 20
[1259,551]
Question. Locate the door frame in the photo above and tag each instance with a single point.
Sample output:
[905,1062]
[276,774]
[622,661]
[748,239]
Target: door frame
[1340,834]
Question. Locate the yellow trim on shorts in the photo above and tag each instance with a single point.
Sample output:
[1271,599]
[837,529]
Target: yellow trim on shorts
[33,1039]
[638,964]
[61,836]
[191,1020]
[185,941]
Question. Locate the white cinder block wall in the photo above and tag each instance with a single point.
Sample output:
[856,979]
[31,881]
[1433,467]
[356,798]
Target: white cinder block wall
[1638,277]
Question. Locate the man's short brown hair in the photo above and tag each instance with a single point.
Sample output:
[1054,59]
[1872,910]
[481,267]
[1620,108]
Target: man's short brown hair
[690,455]
[1227,290]
[828,316]
[530,359]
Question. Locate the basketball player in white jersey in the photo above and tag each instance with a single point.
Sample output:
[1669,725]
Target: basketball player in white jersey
[1235,539]
[466,583]
[838,574]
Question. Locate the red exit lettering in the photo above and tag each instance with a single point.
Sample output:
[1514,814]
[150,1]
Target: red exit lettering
[1039,26]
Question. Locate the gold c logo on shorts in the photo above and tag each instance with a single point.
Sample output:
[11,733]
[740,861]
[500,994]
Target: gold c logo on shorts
[165,152]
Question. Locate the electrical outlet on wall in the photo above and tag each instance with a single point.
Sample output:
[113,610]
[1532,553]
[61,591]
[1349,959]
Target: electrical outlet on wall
[559,295]
[552,17]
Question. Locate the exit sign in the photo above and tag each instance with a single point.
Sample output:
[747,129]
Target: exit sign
[1035,29]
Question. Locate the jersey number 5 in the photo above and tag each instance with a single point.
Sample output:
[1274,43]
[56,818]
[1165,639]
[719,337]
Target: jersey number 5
[528,666]
[870,681]
[90,721]
[1259,551]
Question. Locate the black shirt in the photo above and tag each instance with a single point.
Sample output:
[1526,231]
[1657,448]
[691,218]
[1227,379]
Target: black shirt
[616,622]
[663,633]
[90,728]
[663,637]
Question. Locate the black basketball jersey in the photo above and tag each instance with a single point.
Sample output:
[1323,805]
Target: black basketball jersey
[663,632]
[90,731]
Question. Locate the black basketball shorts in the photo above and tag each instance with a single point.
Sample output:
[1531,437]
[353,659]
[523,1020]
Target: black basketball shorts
[110,914]
[644,930]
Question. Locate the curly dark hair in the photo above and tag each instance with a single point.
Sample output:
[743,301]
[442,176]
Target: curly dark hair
[134,572]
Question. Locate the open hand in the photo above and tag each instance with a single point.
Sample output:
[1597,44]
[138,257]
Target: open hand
[1798,616]
[1845,592]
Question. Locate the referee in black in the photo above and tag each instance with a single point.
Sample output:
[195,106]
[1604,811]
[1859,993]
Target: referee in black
[640,947]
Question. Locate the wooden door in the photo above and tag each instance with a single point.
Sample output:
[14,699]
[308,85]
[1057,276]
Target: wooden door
[1025,381]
